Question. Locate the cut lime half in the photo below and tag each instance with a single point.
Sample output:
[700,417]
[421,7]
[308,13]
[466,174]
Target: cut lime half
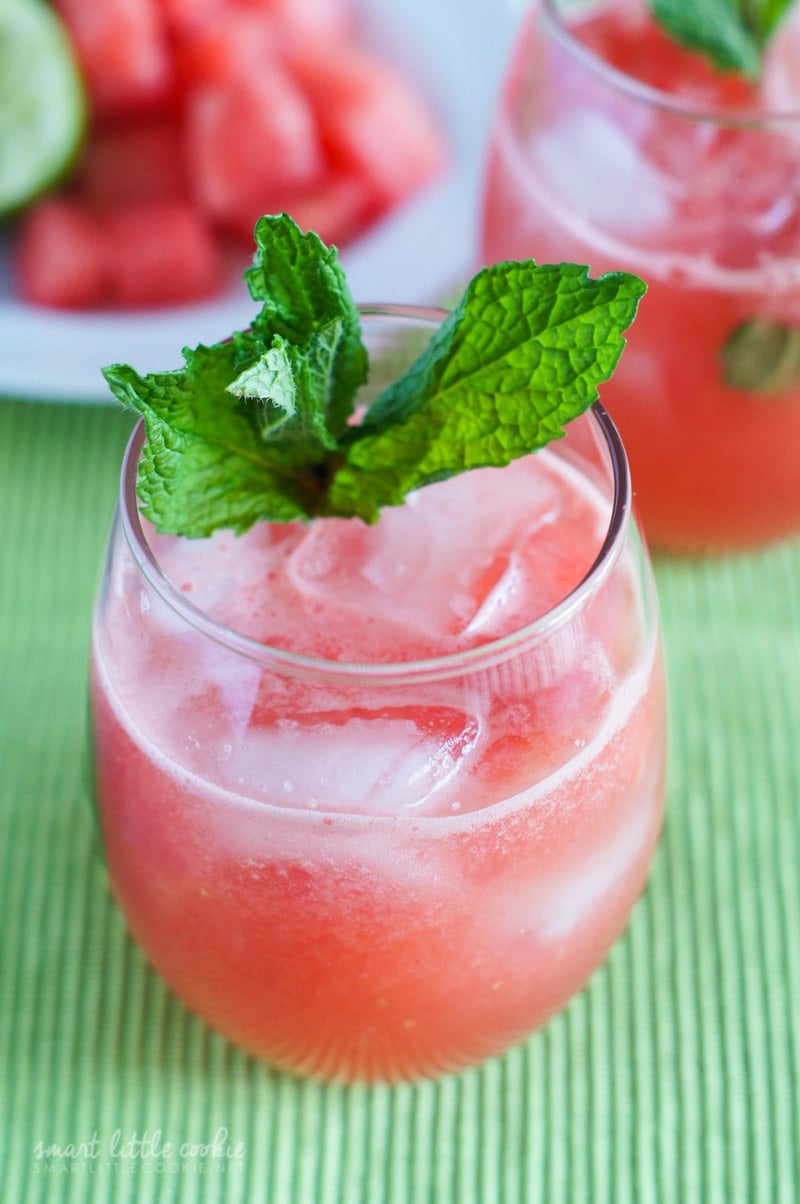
[42,101]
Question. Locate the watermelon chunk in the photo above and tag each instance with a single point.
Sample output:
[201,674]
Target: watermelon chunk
[137,159]
[228,48]
[72,255]
[309,22]
[249,142]
[186,16]
[371,120]
[59,257]
[338,208]
[124,52]
[159,253]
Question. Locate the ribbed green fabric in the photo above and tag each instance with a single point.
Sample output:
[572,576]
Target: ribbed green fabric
[674,1078]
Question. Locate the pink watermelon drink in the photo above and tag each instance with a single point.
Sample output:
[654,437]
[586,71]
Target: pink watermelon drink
[616,147]
[378,799]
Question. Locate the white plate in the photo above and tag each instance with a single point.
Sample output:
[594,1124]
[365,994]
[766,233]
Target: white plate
[456,51]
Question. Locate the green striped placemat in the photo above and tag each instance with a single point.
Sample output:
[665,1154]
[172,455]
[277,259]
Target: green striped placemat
[675,1077]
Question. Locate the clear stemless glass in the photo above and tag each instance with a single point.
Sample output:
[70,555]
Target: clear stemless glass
[355,860]
[612,147]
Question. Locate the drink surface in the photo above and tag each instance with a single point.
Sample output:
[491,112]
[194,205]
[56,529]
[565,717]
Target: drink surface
[364,879]
[588,165]
[459,564]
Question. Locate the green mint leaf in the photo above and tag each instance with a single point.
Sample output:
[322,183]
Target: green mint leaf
[242,432]
[204,464]
[521,356]
[270,380]
[257,427]
[732,34]
[290,387]
[302,287]
[762,357]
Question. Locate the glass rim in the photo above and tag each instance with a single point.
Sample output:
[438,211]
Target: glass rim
[742,116]
[448,665]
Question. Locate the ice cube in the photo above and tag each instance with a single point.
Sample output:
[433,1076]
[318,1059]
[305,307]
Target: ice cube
[417,580]
[235,679]
[373,765]
[595,166]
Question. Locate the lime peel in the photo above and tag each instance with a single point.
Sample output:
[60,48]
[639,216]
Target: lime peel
[43,108]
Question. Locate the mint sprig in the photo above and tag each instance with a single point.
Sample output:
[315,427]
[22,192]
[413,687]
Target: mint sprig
[519,357]
[731,34]
[259,427]
[762,356]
